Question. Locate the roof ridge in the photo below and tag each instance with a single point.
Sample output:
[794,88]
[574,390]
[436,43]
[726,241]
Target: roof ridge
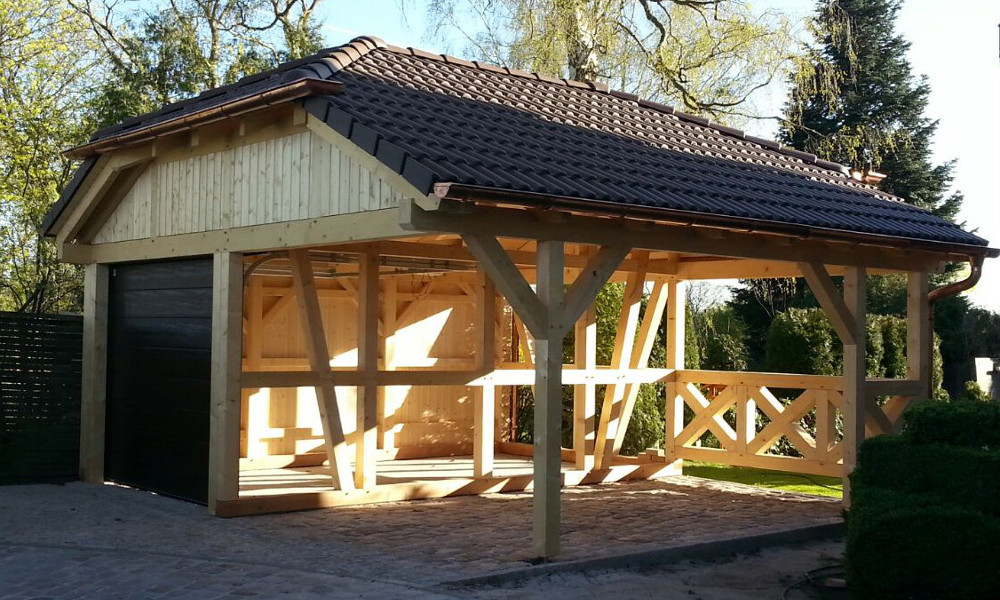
[805,157]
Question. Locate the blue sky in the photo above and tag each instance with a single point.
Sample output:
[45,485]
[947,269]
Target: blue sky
[955,44]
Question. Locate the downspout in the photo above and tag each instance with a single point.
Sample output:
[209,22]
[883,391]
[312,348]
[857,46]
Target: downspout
[950,290]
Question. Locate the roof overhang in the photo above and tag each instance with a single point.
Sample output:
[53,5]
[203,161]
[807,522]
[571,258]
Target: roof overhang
[287,92]
[514,198]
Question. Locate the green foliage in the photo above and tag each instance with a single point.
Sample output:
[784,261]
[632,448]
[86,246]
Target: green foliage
[708,57]
[910,547]
[721,340]
[924,517]
[855,100]
[965,424]
[802,341]
[45,58]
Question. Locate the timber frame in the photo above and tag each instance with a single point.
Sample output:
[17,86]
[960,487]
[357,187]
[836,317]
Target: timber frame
[522,276]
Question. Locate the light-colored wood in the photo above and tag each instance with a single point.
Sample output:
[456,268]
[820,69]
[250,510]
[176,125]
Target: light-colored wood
[548,403]
[676,313]
[486,362]
[589,282]
[271,236]
[368,344]
[93,390]
[620,357]
[650,235]
[830,299]
[640,359]
[505,274]
[310,320]
[585,395]
[855,395]
[918,334]
[227,329]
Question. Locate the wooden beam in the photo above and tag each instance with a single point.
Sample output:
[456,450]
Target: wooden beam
[644,233]
[368,343]
[589,282]
[640,358]
[855,396]
[351,227]
[620,358]
[227,352]
[676,311]
[485,409]
[548,403]
[314,336]
[93,391]
[505,274]
[830,299]
[919,337]
[585,395]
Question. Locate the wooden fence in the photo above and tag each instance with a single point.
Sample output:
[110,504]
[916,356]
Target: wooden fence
[40,360]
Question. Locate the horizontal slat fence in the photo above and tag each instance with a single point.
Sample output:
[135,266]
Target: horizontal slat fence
[40,361]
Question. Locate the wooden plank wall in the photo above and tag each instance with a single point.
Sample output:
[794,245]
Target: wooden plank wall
[287,178]
[437,332]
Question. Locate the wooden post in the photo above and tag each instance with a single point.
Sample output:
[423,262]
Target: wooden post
[855,397]
[94,384]
[227,356]
[548,404]
[585,395]
[676,309]
[918,334]
[621,355]
[367,421]
[314,337]
[485,408]
[388,396]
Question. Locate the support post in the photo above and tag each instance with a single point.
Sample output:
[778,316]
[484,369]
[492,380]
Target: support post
[314,337]
[585,395]
[94,381]
[855,397]
[676,309]
[485,408]
[367,414]
[227,354]
[548,404]
[919,336]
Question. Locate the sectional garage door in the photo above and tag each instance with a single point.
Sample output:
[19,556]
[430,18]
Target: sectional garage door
[159,365]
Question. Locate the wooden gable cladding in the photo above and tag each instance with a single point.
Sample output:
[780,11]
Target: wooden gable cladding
[296,174]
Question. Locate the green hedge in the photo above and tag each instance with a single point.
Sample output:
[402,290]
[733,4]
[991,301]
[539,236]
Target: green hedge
[967,424]
[906,546]
[954,476]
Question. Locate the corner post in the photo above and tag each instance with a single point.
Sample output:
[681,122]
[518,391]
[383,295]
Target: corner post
[95,361]
[227,353]
[585,395]
[676,310]
[548,403]
[485,396]
[919,336]
[368,342]
[855,396]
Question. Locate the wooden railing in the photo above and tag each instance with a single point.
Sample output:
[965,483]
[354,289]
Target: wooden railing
[749,414]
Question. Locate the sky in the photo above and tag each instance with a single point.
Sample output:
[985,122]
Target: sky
[955,44]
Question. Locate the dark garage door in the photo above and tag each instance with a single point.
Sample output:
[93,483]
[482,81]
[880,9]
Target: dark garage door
[159,368]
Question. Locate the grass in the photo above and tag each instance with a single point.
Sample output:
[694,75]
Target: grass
[790,482]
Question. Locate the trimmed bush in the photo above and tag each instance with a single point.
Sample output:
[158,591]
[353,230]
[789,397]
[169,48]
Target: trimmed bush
[967,424]
[905,546]
[952,476]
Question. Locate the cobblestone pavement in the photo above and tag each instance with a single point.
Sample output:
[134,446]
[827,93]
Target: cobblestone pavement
[398,545]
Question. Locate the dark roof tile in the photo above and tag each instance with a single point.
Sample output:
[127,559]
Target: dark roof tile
[439,119]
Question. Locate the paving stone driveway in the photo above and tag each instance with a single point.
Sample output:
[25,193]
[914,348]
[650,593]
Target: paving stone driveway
[68,539]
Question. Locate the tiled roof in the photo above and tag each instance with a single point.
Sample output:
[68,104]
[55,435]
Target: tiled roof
[441,120]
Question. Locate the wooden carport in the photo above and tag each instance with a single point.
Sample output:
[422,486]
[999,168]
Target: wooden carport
[340,235]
